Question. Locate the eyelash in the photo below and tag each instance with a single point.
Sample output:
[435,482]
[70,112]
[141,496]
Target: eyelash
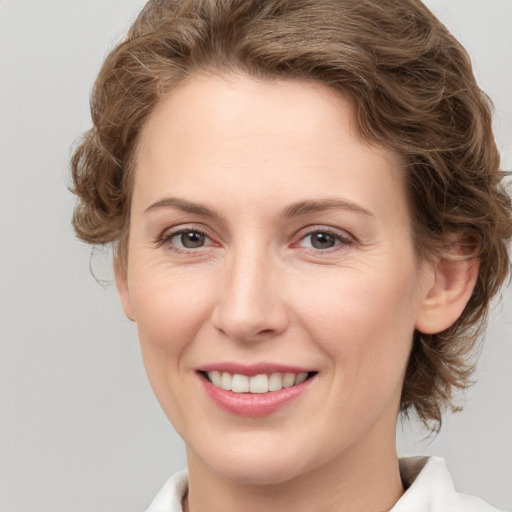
[169,234]
[342,241]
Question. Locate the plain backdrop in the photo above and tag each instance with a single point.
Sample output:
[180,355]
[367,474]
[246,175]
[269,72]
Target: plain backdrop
[80,429]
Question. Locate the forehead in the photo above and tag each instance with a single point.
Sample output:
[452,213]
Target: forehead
[296,135]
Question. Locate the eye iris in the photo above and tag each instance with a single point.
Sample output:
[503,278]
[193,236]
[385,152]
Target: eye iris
[323,240]
[192,239]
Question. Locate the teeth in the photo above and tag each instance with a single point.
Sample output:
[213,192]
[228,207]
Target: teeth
[216,378]
[301,377]
[288,380]
[258,384]
[225,381]
[275,383]
[240,384]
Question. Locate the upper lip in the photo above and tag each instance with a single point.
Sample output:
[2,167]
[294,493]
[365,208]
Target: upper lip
[252,369]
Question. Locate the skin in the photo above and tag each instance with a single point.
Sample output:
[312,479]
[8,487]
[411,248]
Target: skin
[259,290]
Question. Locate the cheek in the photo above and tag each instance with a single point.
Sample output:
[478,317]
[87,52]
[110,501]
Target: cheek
[364,322]
[169,310]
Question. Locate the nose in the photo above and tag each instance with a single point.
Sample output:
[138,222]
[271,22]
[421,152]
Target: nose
[251,306]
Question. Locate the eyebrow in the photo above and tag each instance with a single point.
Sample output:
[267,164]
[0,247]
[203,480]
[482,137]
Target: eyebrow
[184,205]
[304,207]
[293,210]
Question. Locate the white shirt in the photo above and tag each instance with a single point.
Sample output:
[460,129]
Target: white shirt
[428,482]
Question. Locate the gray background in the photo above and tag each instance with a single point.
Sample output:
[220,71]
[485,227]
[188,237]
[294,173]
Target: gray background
[80,429]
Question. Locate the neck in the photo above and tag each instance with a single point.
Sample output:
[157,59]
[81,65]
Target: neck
[366,479]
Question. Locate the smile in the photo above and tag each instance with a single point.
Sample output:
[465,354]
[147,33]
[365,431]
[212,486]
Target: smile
[259,384]
[255,390]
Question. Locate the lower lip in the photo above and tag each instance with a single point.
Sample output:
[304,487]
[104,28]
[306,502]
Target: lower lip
[254,405]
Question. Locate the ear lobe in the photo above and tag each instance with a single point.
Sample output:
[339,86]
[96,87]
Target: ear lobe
[123,290]
[444,302]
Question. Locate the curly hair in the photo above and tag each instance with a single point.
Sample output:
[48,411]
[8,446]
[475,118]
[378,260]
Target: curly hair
[413,90]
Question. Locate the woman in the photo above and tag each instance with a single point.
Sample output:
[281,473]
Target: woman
[305,204]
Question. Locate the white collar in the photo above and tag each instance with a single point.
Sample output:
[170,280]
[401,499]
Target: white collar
[429,488]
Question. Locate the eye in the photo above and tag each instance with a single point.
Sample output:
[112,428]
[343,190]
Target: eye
[323,240]
[185,239]
[189,239]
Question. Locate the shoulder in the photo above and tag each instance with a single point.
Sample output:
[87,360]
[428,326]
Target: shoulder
[171,495]
[430,487]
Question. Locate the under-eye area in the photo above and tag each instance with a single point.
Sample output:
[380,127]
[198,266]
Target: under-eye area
[263,383]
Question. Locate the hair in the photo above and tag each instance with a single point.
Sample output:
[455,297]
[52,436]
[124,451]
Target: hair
[413,91]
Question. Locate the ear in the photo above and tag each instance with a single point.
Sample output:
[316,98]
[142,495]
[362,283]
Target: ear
[453,284]
[123,290]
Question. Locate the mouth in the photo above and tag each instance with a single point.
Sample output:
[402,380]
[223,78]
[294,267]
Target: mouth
[255,390]
[256,384]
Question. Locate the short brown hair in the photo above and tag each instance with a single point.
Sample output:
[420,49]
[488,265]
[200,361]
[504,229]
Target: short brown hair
[413,91]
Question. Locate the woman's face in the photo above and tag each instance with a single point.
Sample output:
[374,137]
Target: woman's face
[267,239]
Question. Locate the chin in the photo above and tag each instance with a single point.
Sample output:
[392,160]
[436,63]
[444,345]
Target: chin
[269,473]
[255,466]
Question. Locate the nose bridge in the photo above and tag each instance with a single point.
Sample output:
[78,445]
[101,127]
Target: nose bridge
[251,304]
